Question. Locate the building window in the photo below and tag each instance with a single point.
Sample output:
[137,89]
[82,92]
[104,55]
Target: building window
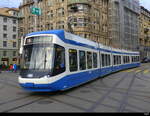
[14,29]
[5,19]
[60,12]
[4,53]
[4,35]
[60,25]
[14,36]
[14,44]
[14,21]
[5,27]
[14,53]
[4,43]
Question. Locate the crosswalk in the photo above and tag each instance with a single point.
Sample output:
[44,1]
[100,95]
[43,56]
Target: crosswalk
[146,71]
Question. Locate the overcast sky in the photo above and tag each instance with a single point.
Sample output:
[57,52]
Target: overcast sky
[16,3]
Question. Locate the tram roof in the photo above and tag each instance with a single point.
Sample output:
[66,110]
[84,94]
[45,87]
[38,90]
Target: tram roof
[68,36]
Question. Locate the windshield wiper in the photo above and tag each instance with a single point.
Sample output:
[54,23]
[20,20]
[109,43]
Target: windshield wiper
[45,60]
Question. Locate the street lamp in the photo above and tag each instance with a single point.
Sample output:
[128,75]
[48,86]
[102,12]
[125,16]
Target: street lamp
[36,11]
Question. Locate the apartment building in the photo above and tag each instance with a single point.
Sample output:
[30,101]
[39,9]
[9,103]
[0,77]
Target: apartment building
[124,24]
[8,35]
[86,18]
[110,22]
[145,33]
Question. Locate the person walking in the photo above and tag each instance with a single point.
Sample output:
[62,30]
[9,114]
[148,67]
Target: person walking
[15,68]
[11,68]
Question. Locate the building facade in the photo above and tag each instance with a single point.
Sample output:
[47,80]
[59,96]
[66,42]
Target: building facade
[145,33]
[87,18]
[110,22]
[8,36]
[124,24]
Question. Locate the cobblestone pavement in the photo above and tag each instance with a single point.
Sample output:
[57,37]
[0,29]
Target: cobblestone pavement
[125,91]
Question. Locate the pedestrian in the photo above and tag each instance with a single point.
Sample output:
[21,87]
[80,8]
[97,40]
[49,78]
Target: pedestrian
[3,66]
[15,68]
[11,67]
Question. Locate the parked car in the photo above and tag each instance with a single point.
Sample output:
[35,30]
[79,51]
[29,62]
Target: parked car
[145,60]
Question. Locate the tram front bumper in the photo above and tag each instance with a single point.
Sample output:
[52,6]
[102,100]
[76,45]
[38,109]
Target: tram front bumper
[37,87]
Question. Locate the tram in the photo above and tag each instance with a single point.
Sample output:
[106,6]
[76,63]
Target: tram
[56,60]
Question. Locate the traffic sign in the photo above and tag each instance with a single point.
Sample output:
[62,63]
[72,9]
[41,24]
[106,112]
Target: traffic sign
[36,11]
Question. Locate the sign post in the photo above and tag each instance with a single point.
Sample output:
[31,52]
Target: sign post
[36,12]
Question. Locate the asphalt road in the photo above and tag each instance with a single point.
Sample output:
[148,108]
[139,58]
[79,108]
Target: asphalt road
[125,91]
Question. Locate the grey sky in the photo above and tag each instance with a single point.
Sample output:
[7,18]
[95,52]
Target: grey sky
[16,3]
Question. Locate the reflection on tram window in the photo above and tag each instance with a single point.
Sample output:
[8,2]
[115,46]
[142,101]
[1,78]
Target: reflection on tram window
[95,60]
[89,60]
[37,57]
[73,60]
[82,58]
[59,60]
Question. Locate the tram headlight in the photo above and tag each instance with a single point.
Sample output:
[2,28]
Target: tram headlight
[47,76]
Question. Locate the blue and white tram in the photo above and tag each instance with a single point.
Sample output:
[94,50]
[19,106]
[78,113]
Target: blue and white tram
[57,60]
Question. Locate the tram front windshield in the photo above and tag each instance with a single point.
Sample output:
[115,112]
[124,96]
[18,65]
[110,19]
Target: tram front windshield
[37,57]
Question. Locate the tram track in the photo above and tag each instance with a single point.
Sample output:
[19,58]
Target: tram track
[11,83]
[99,101]
[114,88]
[34,101]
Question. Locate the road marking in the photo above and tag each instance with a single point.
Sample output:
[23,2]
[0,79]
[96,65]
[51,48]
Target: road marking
[130,70]
[146,71]
[138,71]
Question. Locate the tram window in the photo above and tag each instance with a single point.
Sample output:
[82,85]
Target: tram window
[124,59]
[128,61]
[119,60]
[73,60]
[59,61]
[138,58]
[108,60]
[95,60]
[115,60]
[82,58]
[135,60]
[132,58]
[89,60]
[103,60]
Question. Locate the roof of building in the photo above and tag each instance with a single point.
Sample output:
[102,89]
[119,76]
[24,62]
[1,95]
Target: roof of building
[5,11]
[146,10]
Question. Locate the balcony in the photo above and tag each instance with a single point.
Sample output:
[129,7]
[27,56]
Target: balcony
[146,30]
